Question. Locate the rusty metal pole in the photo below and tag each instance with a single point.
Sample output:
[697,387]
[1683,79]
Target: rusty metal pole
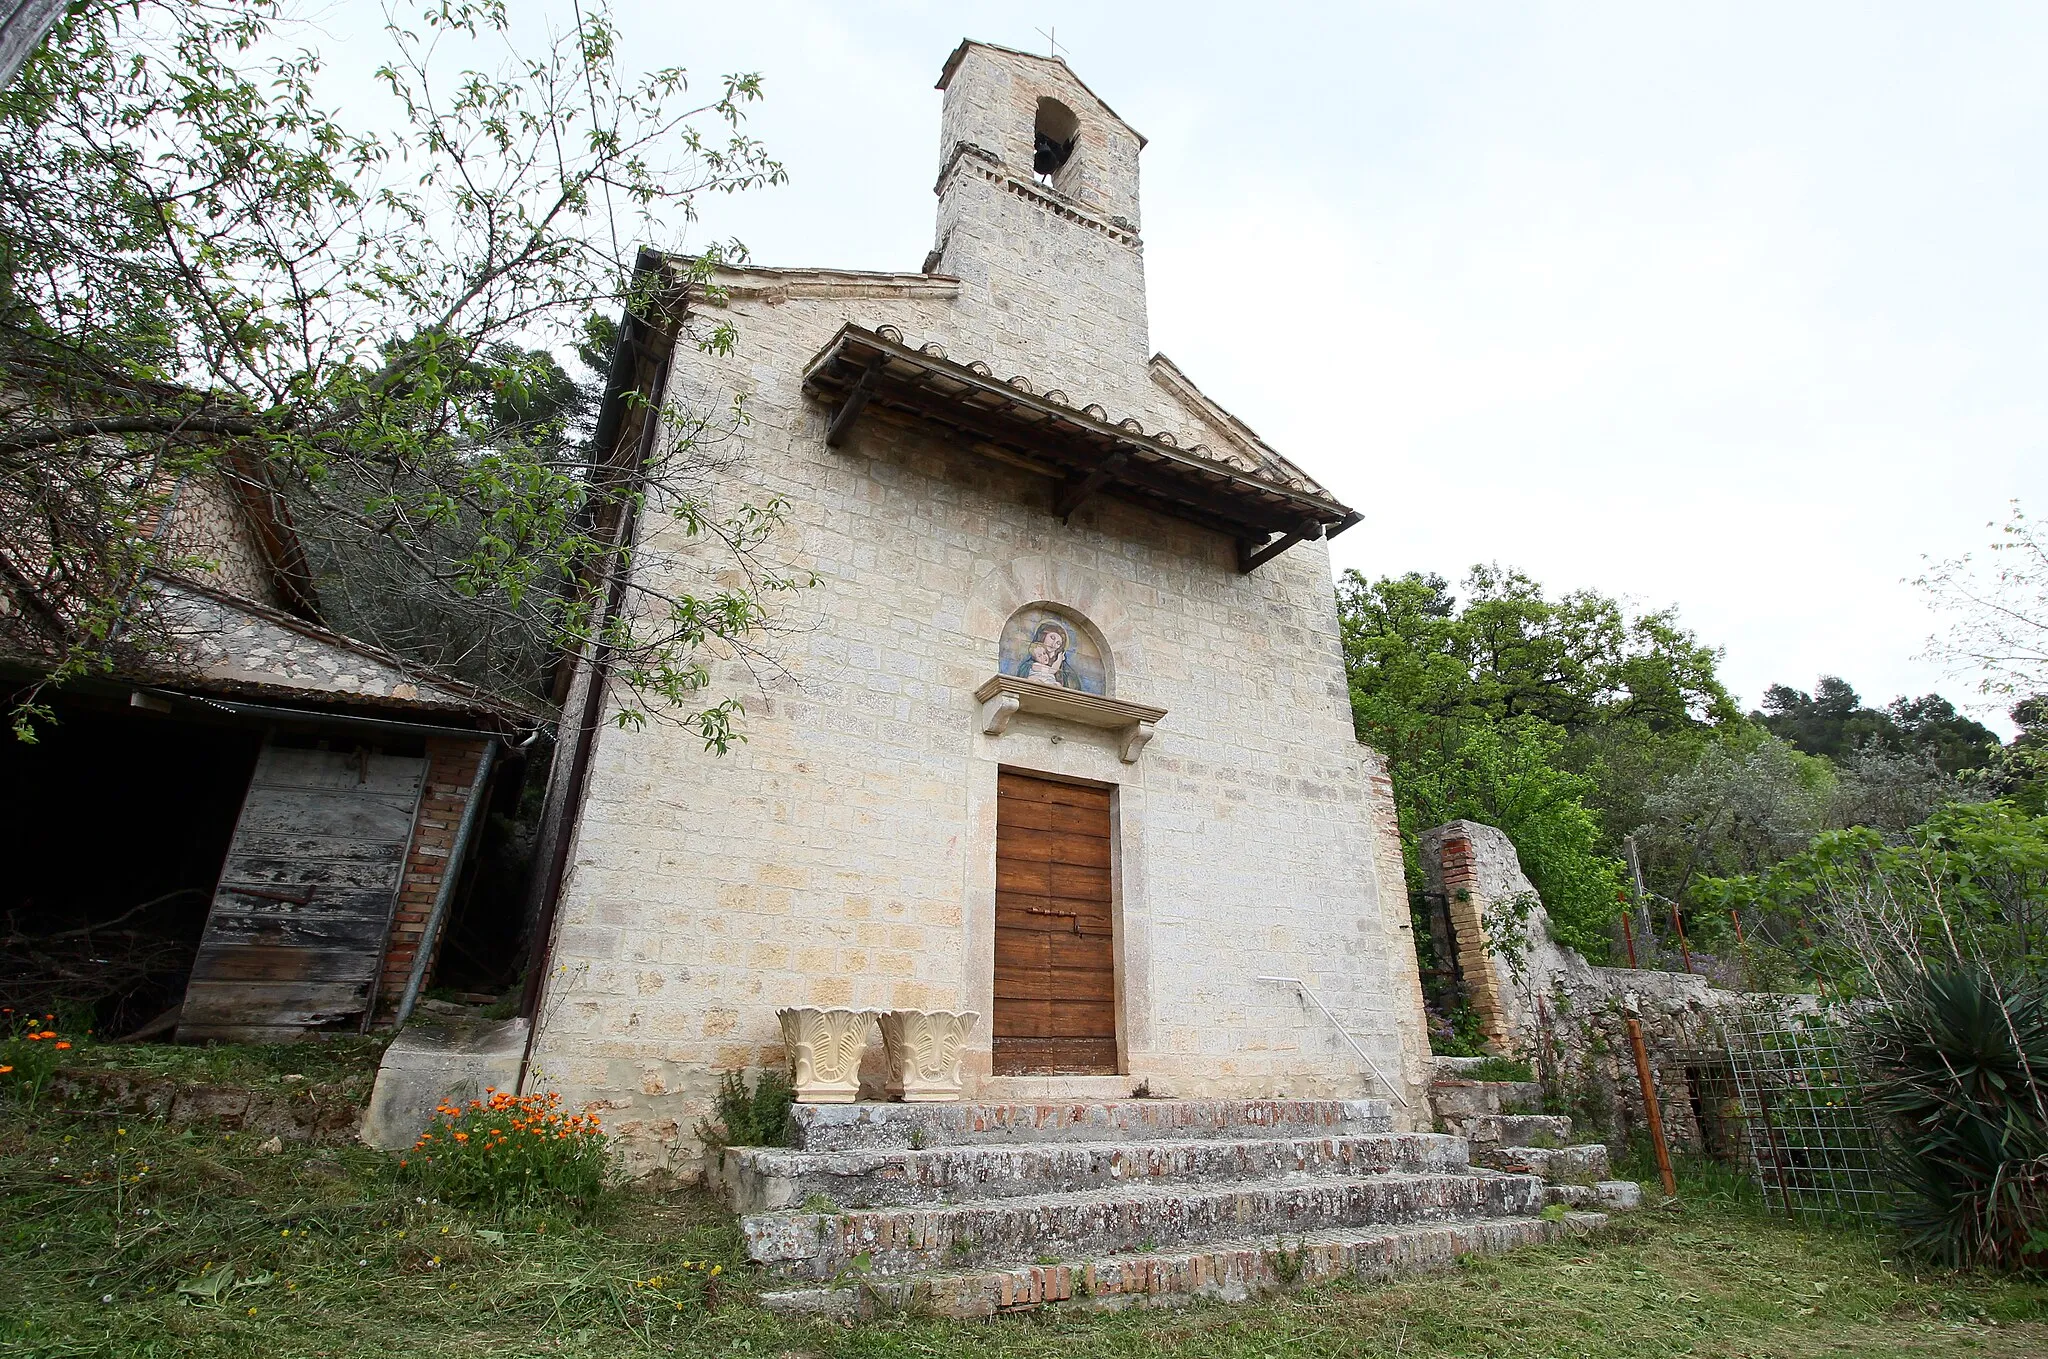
[1657,1144]
[1736,916]
[1628,934]
[1684,949]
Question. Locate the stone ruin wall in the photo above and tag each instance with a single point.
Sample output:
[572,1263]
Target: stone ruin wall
[1545,1003]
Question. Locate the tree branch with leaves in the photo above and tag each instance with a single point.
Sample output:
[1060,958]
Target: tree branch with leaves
[198,256]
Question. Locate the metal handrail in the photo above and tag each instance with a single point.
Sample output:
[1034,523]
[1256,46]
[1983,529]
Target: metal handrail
[1342,1032]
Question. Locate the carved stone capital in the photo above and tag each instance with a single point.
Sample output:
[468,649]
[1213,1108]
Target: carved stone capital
[824,1049]
[924,1048]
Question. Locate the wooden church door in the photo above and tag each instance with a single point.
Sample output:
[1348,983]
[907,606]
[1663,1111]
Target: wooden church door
[1055,992]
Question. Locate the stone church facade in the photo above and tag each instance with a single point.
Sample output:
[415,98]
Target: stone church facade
[1060,735]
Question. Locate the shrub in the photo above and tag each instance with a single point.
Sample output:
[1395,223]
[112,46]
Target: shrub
[1457,1033]
[749,1118]
[29,1055]
[1957,1066]
[505,1153]
[1499,1069]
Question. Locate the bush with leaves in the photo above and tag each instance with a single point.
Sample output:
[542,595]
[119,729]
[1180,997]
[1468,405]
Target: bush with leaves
[1965,888]
[508,1153]
[756,1117]
[1957,1064]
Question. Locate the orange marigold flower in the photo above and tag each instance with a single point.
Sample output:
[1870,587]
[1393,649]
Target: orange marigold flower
[5,1069]
[462,1137]
[61,1047]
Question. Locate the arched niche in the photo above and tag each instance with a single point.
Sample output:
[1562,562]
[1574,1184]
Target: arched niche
[1054,134]
[1055,645]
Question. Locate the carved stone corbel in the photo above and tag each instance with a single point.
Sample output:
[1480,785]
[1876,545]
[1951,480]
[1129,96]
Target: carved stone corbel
[1135,737]
[997,712]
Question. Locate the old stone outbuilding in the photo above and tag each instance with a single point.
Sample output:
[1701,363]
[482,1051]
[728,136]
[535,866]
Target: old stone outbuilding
[254,829]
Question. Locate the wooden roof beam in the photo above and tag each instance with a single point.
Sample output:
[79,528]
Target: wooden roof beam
[856,400]
[1075,490]
[1215,508]
[1251,557]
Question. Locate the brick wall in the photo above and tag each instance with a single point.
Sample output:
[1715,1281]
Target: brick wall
[1465,899]
[451,769]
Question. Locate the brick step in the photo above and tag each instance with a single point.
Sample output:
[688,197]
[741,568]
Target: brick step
[1229,1270]
[765,1180]
[888,1241]
[845,1127]
[1509,1130]
[1557,1165]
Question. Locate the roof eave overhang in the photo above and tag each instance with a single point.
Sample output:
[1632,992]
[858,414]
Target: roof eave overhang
[861,367]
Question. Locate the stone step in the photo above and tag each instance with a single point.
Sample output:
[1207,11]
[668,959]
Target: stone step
[1454,1096]
[1557,1165]
[1509,1130]
[843,1127]
[890,1241]
[1229,1270]
[765,1180]
[1615,1196]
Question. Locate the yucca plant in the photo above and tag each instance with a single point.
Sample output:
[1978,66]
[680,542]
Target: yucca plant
[1957,1062]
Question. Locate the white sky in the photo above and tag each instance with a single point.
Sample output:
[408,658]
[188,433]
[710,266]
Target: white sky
[1734,307]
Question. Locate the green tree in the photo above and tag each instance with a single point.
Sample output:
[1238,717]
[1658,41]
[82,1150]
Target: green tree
[2023,769]
[1506,774]
[196,254]
[1833,722]
[1551,718]
[1743,805]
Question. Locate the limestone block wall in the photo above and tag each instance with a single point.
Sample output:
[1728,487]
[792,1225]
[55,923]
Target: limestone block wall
[845,853]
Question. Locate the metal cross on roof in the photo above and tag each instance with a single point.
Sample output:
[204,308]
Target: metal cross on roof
[1052,44]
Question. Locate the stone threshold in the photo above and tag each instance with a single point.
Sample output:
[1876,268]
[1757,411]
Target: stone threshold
[1080,1089]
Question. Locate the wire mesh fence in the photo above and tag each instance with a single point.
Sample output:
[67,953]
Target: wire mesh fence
[1805,1130]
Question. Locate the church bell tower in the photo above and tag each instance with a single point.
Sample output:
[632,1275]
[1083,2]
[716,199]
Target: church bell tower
[1038,218]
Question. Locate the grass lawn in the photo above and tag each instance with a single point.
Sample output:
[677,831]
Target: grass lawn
[343,1066]
[124,1237]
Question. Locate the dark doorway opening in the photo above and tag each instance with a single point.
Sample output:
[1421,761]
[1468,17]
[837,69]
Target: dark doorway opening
[484,945]
[113,826]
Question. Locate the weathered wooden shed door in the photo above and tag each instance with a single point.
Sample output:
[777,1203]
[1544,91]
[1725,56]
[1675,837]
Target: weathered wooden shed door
[298,923]
[1055,993]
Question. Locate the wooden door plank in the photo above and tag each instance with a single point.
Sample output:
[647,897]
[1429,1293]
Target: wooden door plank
[297,927]
[1055,816]
[1059,847]
[1026,789]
